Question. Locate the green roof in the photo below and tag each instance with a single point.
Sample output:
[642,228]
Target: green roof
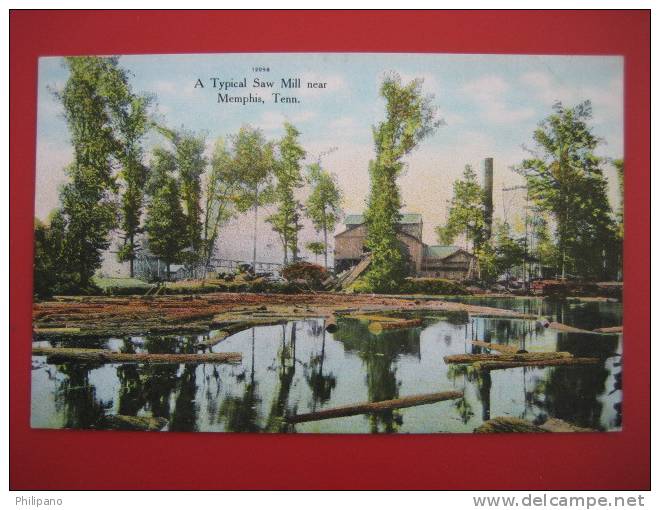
[406,219]
[440,252]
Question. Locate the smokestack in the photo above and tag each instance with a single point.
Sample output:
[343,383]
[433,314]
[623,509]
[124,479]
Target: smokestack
[488,196]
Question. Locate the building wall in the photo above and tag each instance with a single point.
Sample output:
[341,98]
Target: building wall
[349,245]
[349,248]
[455,267]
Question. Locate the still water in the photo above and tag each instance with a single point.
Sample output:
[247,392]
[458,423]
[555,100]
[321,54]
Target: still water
[300,368]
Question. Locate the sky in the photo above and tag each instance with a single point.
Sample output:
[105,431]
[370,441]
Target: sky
[490,105]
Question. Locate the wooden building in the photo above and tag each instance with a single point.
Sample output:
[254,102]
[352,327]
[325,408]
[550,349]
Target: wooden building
[448,262]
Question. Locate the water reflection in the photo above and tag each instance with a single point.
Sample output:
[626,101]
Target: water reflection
[300,368]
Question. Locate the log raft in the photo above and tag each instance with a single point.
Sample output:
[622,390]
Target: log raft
[63,355]
[372,407]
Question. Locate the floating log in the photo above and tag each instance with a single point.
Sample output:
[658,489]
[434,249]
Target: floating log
[613,329]
[507,425]
[371,407]
[123,422]
[62,355]
[376,327]
[55,331]
[567,329]
[510,349]
[557,425]
[498,365]
[500,358]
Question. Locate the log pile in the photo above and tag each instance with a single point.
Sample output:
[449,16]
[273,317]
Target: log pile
[103,317]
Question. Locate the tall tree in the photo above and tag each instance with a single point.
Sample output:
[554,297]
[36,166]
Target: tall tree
[409,119]
[466,212]
[165,219]
[88,211]
[253,160]
[221,184]
[323,204]
[190,164]
[130,112]
[565,178]
[286,220]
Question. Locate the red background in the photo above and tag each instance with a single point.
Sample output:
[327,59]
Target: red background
[43,459]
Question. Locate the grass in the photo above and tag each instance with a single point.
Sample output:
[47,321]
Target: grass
[121,286]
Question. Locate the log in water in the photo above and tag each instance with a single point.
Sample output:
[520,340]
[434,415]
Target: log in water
[498,365]
[613,329]
[496,347]
[61,355]
[370,407]
[523,357]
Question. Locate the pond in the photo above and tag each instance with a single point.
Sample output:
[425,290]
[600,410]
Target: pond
[298,367]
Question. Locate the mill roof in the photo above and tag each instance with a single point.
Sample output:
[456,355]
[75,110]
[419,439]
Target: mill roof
[440,251]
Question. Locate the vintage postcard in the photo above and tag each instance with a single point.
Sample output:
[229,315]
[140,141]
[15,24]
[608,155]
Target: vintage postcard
[329,243]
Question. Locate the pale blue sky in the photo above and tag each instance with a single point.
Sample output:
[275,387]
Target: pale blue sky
[491,105]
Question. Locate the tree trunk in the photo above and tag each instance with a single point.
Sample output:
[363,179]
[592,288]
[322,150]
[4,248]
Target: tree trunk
[168,271]
[132,259]
[325,245]
[254,238]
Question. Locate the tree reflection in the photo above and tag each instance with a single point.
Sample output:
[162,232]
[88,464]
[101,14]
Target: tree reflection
[76,397]
[320,384]
[379,354]
[241,414]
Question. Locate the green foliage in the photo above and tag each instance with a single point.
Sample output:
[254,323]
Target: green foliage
[130,112]
[489,268]
[316,247]
[466,212]
[286,221]
[165,221]
[121,286]
[220,186]
[95,88]
[409,119]
[191,163]
[323,204]
[427,286]
[254,160]
[565,178]
[619,166]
